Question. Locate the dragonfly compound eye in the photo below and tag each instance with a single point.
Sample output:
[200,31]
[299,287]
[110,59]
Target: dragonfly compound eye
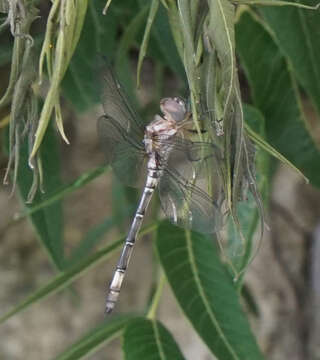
[179,101]
[173,108]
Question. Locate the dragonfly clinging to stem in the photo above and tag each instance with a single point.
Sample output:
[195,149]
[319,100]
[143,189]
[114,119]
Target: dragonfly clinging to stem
[161,156]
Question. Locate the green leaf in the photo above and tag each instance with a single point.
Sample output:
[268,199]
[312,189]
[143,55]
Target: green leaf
[221,30]
[7,48]
[130,34]
[69,23]
[143,49]
[97,37]
[258,140]
[66,277]
[94,236]
[48,221]
[149,339]
[256,121]
[251,303]
[279,3]
[248,214]
[62,191]
[123,202]
[255,127]
[205,293]
[122,63]
[164,44]
[274,93]
[96,338]
[185,36]
[297,34]
[5,53]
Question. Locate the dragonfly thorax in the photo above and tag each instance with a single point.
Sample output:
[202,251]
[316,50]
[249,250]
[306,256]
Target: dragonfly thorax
[159,130]
[165,127]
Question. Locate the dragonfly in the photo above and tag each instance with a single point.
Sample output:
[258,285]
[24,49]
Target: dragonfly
[160,155]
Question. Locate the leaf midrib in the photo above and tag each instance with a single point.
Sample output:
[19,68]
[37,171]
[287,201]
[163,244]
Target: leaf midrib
[232,57]
[203,296]
[158,340]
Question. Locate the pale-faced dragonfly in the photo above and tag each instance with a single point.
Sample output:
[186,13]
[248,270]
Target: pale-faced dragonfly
[160,155]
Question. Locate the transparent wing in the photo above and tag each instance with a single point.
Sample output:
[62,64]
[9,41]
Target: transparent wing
[187,205]
[122,151]
[193,160]
[194,150]
[116,104]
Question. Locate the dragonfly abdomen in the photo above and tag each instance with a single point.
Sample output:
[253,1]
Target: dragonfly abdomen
[119,274]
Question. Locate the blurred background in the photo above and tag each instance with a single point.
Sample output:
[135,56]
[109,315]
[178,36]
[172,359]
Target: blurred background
[282,289]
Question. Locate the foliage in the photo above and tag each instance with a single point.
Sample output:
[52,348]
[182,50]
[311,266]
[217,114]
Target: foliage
[199,41]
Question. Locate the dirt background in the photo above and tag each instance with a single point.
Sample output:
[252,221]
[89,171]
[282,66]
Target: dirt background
[283,279]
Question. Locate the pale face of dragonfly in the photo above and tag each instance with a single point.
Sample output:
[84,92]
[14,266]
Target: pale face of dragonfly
[173,109]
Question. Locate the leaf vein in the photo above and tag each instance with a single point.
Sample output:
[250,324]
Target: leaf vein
[203,296]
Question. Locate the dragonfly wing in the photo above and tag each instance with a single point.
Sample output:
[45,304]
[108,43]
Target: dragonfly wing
[198,162]
[187,205]
[116,104]
[123,152]
[185,154]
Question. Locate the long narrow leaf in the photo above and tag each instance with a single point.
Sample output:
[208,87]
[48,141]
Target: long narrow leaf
[48,222]
[63,191]
[149,340]
[78,84]
[297,33]
[256,138]
[163,42]
[274,93]
[66,277]
[143,49]
[222,32]
[65,43]
[206,293]
[93,237]
[247,212]
[96,338]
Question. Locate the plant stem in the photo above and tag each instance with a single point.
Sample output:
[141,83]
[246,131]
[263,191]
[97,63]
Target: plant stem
[156,298]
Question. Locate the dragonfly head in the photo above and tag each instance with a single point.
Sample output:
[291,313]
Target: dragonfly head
[173,109]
